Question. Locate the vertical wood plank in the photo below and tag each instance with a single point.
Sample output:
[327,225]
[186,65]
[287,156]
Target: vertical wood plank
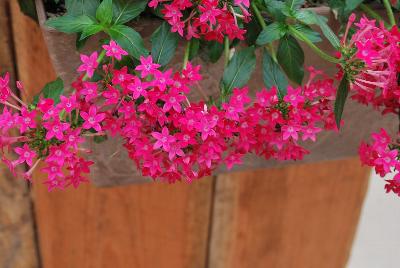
[297,216]
[149,225]
[17,242]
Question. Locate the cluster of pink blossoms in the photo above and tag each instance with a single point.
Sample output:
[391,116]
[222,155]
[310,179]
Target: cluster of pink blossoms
[374,65]
[167,136]
[211,19]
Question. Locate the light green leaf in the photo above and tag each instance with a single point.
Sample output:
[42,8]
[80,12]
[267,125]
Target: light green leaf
[70,23]
[104,12]
[272,32]
[306,30]
[126,10]
[129,40]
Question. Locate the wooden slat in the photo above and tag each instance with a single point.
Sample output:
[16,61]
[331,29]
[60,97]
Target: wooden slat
[151,225]
[298,216]
[17,242]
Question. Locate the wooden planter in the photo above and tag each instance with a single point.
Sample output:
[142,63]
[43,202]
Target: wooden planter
[359,121]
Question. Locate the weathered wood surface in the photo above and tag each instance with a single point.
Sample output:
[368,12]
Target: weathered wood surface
[300,216]
[17,240]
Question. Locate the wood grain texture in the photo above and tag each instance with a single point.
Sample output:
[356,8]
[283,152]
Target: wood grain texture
[298,216]
[17,242]
[151,225]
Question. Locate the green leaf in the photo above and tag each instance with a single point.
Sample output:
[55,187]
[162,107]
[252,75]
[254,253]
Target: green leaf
[164,44]
[350,5]
[272,32]
[291,57]
[328,33]
[91,30]
[214,50]
[306,30]
[194,48]
[104,12]
[341,97]
[54,90]
[253,29]
[239,70]
[275,8]
[273,75]
[70,23]
[306,16]
[294,4]
[82,7]
[128,39]
[28,8]
[126,10]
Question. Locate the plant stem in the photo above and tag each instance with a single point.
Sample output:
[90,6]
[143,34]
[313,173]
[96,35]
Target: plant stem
[263,25]
[99,60]
[373,14]
[320,53]
[226,51]
[389,11]
[187,53]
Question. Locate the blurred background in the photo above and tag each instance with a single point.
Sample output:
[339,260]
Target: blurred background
[325,214]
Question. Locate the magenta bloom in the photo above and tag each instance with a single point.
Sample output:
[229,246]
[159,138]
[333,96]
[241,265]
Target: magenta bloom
[55,129]
[89,64]
[173,100]
[114,50]
[164,140]
[68,104]
[26,120]
[4,88]
[92,119]
[147,66]
[25,154]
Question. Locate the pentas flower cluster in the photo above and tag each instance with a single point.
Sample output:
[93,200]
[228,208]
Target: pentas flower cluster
[211,19]
[383,155]
[168,137]
[373,54]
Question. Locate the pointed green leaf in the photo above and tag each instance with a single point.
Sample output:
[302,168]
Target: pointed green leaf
[164,43]
[306,30]
[82,7]
[239,70]
[291,57]
[272,32]
[328,33]
[70,23]
[126,10]
[91,30]
[341,97]
[214,51]
[294,4]
[54,90]
[128,39]
[273,75]
[104,12]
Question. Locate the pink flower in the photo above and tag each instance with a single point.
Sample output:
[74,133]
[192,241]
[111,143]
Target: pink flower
[173,100]
[138,88]
[92,119]
[27,120]
[56,129]
[114,50]
[89,91]
[290,131]
[68,104]
[309,132]
[89,64]
[111,95]
[25,154]
[294,96]
[4,88]
[147,66]
[163,139]
[387,160]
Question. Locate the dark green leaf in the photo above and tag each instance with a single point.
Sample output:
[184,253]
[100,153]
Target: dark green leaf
[239,70]
[28,8]
[253,29]
[275,7]
[215,50]
[164,44]
[351,5]
[294,4]
[80,43]
[70,23]
[129,40]
[126,10]
[272,32]
[104,12]
[273,75]
[328,33]
[341,97]
[291,57]
[194,48]
[312,35]
[100,139]
[82,7]
[91,30]
[54,90]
